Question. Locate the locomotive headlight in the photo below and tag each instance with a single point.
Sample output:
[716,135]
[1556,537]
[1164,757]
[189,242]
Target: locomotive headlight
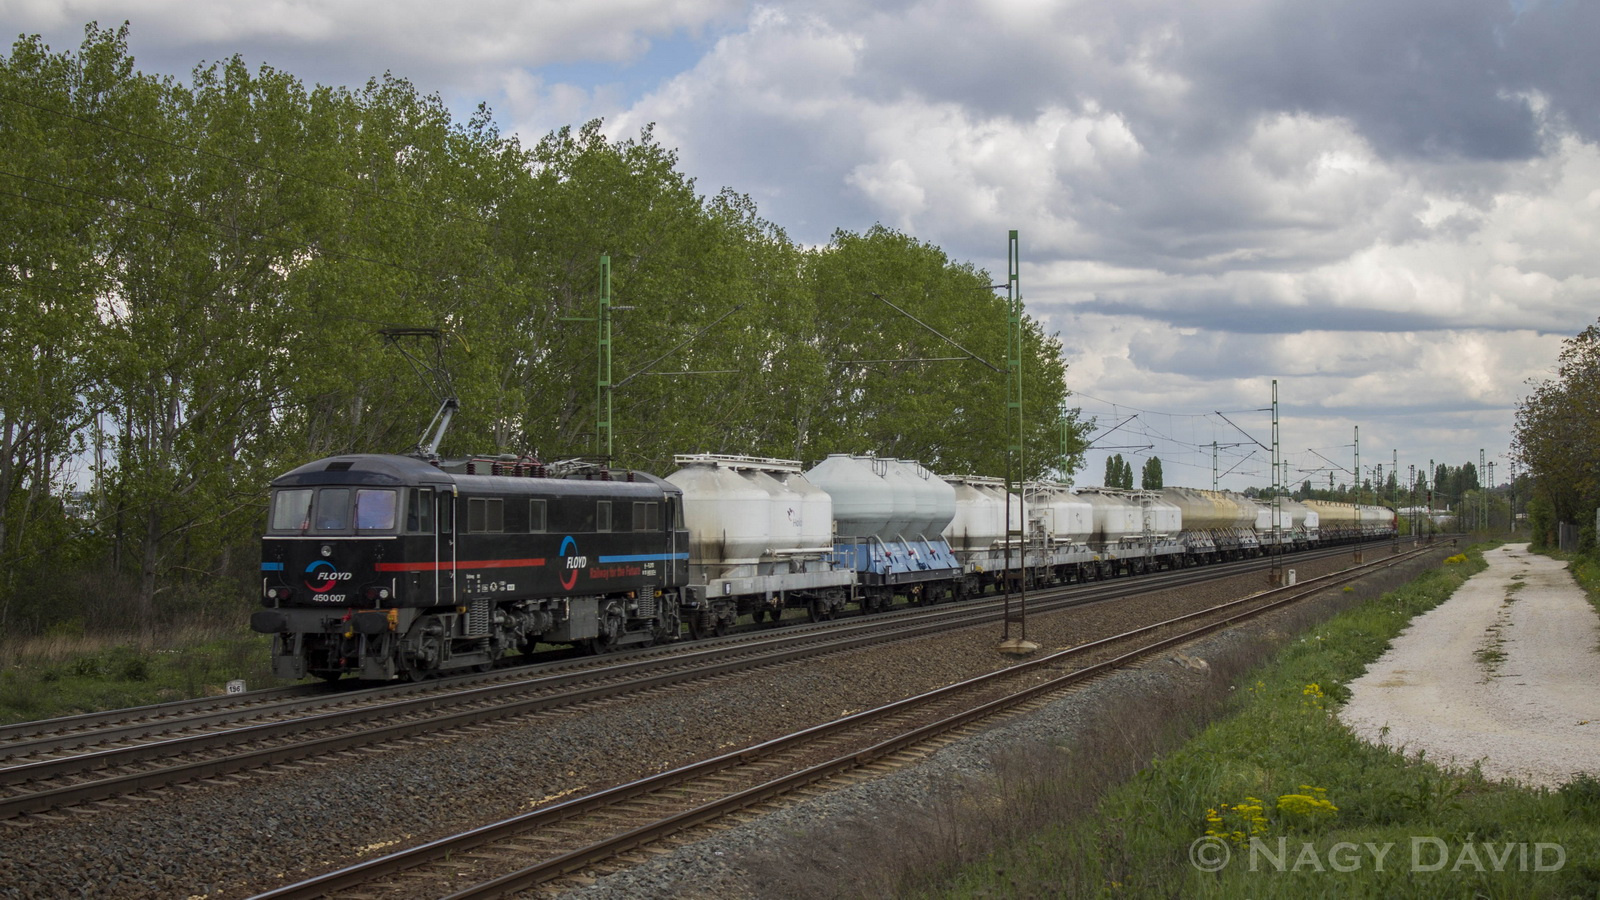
[383,593]
[327,549]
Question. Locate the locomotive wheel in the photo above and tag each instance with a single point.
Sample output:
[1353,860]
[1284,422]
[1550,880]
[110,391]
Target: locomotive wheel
[671,626]
[610,630]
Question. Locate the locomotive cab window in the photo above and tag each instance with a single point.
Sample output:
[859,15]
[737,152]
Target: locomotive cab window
[536,511]
[602,514]
[332,509]
[375,510]
[419,511]
[291,510]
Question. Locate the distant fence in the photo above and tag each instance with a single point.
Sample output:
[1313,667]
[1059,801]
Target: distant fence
[1568,537]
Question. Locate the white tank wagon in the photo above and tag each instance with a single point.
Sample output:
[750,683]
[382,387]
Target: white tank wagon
[933,500]
[1275,521]
[977,531]
[883,498]
[760,539]
[1245,540]
[1134,531]
[1344,522]
[1055,547]
[1377,521]
[1115,515]
[1208,518]
[1303,521]
[1058,514]
[889,521]
[979,522]
[1160,517]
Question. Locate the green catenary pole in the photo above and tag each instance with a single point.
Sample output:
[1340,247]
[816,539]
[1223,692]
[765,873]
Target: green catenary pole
[1015,463]
[602,397]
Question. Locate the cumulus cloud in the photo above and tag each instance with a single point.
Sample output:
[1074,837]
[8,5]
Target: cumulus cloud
[1386,206]
[459,49]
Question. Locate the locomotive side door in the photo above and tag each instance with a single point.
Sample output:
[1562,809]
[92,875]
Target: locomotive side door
[669,520]
[445,548]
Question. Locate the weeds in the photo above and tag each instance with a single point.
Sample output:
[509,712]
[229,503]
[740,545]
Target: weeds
[66,671]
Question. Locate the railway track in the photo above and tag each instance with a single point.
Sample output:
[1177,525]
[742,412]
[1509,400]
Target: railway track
[584,833]
[86,759]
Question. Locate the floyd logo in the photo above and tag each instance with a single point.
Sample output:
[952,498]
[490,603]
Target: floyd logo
[574,562]
[322,575]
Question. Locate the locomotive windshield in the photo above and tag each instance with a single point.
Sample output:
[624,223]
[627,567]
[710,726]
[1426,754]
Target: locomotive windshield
[333,510]
[375,510]
[291,510]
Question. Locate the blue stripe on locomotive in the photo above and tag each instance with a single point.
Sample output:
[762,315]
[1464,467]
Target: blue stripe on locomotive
[643,557]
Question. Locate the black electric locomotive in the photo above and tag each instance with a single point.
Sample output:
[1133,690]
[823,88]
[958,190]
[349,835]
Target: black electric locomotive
[383,565]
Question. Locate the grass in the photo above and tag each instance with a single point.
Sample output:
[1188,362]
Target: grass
[67,671]
[1300,807]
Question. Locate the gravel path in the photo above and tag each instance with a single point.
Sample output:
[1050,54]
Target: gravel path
[1504,672]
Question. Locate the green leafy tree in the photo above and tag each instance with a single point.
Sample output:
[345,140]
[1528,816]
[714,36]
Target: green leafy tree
[1557,427]
[1150,478]
[911,342]
[52,272]
[198,277]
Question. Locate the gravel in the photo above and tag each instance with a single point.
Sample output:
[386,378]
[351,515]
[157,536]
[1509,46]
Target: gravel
[737,863]
[1499,674]
[236,837]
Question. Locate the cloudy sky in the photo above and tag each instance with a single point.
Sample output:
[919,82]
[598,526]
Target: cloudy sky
[1389,206]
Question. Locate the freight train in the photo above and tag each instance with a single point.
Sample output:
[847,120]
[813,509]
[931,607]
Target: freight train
[385,566]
